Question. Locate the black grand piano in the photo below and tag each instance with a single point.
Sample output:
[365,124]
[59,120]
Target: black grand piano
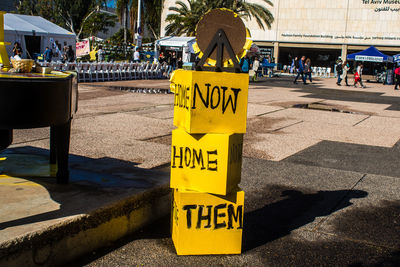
[32,100]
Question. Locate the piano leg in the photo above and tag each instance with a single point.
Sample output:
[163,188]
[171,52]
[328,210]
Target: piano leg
[6,137]
[53,155]
[62,136]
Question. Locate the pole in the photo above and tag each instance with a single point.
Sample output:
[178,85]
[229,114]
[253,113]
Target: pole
[138,42]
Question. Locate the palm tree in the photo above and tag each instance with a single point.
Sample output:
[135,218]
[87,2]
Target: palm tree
[185,18]
[122,12]
[151,15]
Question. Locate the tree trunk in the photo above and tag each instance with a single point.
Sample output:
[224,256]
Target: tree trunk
[125,23]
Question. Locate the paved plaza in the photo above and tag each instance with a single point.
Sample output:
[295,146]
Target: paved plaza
[320,173]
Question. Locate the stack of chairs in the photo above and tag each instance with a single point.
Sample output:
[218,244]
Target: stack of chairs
[108,71]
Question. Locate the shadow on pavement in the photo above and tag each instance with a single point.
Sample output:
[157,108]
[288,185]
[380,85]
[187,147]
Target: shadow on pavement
[351,157]
[353,96]
[267,238]
[294,210]
[94,183]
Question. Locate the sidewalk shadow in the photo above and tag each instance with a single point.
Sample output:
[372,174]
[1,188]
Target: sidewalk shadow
[296,209]
[93,183]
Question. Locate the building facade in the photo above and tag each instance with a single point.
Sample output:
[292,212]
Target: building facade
[324,30]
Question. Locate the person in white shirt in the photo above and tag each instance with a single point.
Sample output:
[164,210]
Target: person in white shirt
[100,54]
[256,65]
[136,55]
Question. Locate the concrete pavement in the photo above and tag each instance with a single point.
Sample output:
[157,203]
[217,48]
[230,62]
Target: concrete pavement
[306,168]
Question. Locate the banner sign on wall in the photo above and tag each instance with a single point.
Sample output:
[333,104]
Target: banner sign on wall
[82,48]
[369,58]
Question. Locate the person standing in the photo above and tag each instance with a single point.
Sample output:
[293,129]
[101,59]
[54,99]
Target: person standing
[70,54]
[256,65]
[300,70]
[161,57]
[100,54]
[136,56]
[358,76]
[173,60]
[308,70]
[245,64]
[397,77]
[346,68]
[17,50]
[48,54]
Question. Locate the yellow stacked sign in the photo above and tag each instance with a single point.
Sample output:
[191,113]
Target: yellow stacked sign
[210,102]
[210,111]
[207,224]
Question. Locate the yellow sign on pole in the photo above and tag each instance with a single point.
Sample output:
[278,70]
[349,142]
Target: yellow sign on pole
[210,102]
[207,224]
[209,163]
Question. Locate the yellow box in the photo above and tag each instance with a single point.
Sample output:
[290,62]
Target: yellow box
[210,102]
[208,163]
[207,224]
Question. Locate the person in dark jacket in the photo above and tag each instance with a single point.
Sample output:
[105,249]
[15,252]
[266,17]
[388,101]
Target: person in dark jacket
[70,54]
[17,50]
[48,54]
[301,70]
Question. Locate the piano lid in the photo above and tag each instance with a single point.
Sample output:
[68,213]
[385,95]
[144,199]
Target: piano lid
[33,75]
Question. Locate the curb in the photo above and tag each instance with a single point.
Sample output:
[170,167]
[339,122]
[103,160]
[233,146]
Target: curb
[81,234]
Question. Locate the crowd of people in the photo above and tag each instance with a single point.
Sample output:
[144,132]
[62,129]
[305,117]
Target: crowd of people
[342,70]
[171,58]
[67,54]
[256,66]
[303,68]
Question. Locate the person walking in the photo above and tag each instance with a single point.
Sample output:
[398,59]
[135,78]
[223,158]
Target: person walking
[346,68]
[397,77]
[300,71]
[339,71]
[293,65]
[358,76]
[308,70]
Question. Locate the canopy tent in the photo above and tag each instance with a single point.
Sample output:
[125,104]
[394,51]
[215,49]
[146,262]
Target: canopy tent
[183,44]
[34,33]
[370,54]
[396,58]
[174,41]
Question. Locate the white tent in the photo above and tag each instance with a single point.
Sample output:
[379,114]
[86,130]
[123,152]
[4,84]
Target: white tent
[176,41]
[34,33]
[183,44]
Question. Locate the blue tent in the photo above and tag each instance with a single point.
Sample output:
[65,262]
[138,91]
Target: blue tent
[396,58]
[370,54]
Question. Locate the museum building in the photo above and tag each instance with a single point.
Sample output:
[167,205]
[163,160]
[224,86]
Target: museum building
[323,30]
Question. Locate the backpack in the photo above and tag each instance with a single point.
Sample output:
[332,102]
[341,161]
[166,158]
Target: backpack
[244,64]
[339,69]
